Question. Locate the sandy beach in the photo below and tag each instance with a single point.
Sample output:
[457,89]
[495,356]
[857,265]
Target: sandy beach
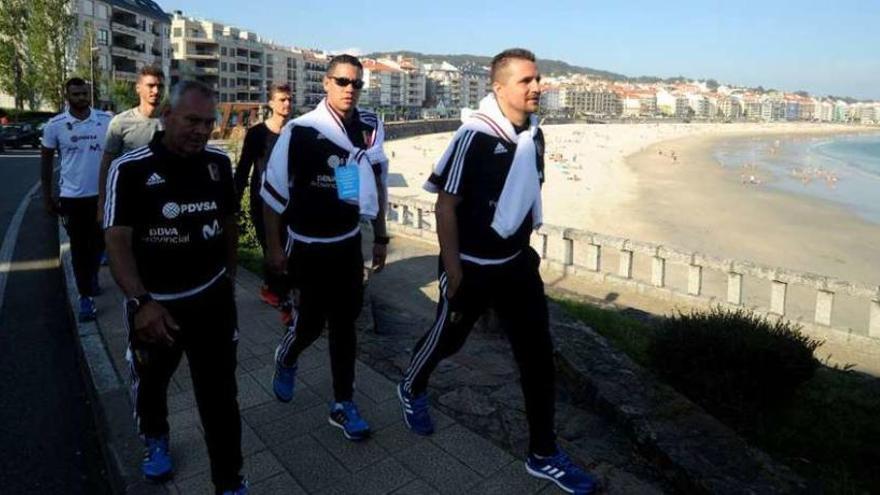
[661,184]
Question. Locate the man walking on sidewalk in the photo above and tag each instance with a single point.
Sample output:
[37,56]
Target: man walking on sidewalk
[489,183]
[134,127]
[77,135]
[172,237]
[327,170]
[258,144]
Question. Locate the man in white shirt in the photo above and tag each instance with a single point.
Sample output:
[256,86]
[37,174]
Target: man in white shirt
[77,135]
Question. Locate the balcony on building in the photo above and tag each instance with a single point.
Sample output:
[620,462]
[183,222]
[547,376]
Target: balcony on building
[123,66]
[202,50]
[127,45]
[126,19]
[206,68]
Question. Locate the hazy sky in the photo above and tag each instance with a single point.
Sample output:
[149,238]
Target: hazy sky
[828,47]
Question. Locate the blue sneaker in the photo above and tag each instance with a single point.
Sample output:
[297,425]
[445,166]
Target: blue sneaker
[241,490]
[415,411]
[284,381]
[561,470]
[87,311]
[157,460]
[345,415]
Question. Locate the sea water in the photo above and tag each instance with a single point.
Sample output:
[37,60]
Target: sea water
[842,169]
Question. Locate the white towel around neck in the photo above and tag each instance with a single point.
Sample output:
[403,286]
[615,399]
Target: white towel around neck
[324,120]
[521,194]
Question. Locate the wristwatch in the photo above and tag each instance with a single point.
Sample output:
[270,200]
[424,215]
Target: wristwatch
[134,304]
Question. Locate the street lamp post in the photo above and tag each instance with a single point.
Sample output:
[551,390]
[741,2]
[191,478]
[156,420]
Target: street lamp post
[92,50]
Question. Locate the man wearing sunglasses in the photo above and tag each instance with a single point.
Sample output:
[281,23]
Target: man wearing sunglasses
[326,171]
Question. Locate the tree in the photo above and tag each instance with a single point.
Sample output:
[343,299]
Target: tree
[123,95]
[51,29]
[15,62]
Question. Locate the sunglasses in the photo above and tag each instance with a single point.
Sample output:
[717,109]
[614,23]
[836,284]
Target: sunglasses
[344,81]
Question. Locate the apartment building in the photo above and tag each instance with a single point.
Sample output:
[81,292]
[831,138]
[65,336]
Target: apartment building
[475,86]
[126,35]
[315,66]
[593,101]
[394,87]
[240,65]
[384,85]
[443,85]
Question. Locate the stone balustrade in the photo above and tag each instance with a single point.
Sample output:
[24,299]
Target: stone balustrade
[582,253]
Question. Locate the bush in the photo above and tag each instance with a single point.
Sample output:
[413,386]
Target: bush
[738,366]
[247,235]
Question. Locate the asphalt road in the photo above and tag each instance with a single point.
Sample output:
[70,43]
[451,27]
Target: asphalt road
[48,439]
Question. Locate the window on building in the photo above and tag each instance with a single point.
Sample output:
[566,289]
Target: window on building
[178,32]
[103,37]
[269,72]
[223,51]
[223,66]
[88,7]
[101,11]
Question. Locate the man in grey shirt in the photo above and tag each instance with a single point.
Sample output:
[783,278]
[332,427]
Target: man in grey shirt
[133,128]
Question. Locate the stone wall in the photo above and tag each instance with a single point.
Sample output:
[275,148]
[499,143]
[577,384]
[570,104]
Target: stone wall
[578,253]
[401,130]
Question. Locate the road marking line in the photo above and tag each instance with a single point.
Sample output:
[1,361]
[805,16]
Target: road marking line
[26,266]
[8,247]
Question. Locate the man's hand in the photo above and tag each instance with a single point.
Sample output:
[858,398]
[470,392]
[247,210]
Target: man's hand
[153,324]
[454,276]
[52,206]
[276,261]
[380,252]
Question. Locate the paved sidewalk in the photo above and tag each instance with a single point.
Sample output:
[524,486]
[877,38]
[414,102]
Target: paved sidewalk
[290,448]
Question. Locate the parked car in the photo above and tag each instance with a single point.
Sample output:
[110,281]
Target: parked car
[18,135]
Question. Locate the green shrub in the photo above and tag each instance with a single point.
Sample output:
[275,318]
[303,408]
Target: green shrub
[737,365]
[247,235]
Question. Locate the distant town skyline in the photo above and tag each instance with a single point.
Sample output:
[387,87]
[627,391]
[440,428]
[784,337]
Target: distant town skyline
[827,49]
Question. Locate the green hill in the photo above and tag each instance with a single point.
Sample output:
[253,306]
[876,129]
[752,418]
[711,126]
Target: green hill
[546,66]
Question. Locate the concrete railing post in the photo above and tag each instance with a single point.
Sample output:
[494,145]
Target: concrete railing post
[658,271]
[419,220]
[695,280]
[824,306]
[777,297]
[538,242]
[874,319]
[398,210]
[594,257]
[567,252]
[404,213]
[734,288]
[626,263]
